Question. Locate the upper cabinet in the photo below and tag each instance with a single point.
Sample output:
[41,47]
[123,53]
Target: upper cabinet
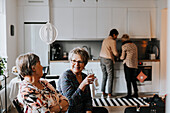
[141,23]
[92,20]
[84,23]
[119,20]
[62,18]
[36,11]
[104,22]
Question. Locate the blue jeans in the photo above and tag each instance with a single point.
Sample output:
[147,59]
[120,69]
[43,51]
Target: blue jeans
[107,67]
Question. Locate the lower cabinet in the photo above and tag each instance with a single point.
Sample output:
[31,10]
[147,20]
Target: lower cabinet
[58,68]
[119,83]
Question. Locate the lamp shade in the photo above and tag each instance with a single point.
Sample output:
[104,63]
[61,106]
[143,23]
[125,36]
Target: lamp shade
[48,33]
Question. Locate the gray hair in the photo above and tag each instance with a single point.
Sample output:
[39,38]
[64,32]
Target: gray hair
[25,62]
[79,51]
[125,37]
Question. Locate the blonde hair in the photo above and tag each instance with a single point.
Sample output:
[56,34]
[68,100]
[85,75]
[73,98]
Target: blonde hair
[79,51]
[125,37]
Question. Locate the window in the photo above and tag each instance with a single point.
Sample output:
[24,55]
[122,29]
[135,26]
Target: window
[2,29]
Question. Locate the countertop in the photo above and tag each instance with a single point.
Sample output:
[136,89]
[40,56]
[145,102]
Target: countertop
[98,60]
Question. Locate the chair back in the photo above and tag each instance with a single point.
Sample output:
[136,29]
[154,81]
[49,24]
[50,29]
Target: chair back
[45,71]
[18,106]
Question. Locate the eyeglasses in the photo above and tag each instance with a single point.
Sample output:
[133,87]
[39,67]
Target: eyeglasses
[79,62]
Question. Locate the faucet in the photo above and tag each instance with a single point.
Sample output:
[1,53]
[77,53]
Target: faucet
[88,50]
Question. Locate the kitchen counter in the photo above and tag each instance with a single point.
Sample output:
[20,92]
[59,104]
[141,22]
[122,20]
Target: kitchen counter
[98,60]
[66,61]
[155,60]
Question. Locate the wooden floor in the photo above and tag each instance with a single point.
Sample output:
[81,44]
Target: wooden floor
[114,109]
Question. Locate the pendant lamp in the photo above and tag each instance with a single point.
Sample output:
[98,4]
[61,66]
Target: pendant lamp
[48,33]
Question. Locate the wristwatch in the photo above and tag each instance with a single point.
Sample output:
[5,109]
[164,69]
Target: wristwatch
[60,108]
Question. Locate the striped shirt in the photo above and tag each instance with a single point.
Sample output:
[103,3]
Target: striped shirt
[129,54]
[80,101]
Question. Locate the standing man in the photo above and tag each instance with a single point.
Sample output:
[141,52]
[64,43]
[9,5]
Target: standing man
[130,60]
[107,53]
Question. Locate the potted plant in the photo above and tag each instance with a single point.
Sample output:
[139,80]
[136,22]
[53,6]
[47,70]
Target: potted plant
[2,65]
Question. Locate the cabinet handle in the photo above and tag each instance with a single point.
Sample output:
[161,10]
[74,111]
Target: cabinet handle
[116,77]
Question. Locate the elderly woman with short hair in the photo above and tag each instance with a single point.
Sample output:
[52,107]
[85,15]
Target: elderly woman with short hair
[74,84]
[37,96]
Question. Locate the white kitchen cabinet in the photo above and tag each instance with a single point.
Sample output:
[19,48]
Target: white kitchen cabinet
[91,20]
[119,84]
[141,23]
[36,11]
[58,68]
[119,20]
[104,22]
[84,23]
[63,20]
[95,66]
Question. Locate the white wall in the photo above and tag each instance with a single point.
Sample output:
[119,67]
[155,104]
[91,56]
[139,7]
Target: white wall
[161,28]
[11,19]
[161,4]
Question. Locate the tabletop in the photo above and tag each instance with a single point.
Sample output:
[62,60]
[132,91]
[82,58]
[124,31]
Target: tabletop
[144,109]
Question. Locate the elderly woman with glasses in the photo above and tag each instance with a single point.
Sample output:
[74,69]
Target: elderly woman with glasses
[35,95]
[74,84]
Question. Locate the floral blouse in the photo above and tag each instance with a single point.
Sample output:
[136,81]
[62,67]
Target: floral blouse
[35,100]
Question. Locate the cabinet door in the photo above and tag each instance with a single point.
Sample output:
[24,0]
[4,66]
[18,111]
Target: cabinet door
[104,22]
[139,23]
[119,84]
[57,68]
[95,66]
[84,23]
[119,20]
[34,44]
[63,20]
[36,13]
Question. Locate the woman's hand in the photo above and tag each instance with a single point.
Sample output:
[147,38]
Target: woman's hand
[88,80]
[88,111]
[65,105]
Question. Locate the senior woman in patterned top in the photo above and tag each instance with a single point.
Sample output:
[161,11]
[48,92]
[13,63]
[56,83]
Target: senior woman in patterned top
[74,84]
[130,60]
[37,96]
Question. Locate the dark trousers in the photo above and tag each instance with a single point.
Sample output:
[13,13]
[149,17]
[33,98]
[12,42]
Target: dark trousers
[130,76]
[99,110]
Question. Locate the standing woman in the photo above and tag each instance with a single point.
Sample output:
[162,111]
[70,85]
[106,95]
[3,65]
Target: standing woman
[74,84]
[130,60]
[37,96]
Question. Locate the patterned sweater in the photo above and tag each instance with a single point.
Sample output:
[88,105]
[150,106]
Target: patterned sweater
[129,54]
[35,100]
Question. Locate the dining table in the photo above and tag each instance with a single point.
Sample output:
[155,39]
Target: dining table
[144,109]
